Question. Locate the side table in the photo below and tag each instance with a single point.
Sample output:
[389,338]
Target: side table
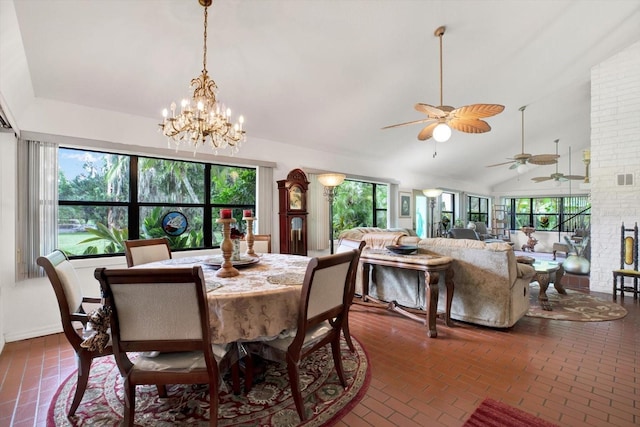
[544,271]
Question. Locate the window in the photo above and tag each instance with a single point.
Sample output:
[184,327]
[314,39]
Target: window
[104,199]
[448,212]
[359,204]
[550,213]
[478,209]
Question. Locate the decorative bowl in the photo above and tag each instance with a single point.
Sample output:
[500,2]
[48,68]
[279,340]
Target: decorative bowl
[402,249]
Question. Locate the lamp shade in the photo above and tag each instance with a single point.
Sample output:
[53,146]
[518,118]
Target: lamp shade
[442,132]
[331,179]
[432,192]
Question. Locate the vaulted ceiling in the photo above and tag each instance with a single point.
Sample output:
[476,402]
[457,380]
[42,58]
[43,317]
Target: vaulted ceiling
[330,74]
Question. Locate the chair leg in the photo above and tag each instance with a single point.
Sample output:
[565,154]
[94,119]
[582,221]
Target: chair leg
[84,367]
[129,403]
[162,390]
[337,359]
[235,377]
[248,373]
[347,334]
[213,402]
[294,381]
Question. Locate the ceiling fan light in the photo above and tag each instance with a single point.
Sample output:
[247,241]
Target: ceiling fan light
[522,168]
[557,183]
[442,132]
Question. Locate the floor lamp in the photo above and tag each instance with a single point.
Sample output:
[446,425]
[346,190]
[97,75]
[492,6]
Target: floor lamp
[330,182]
[432,194]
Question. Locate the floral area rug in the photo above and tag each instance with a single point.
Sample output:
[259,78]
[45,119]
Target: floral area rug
[269,403]
[576,306]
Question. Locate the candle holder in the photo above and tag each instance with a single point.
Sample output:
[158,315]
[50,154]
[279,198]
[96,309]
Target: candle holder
[226,269]
[249,238]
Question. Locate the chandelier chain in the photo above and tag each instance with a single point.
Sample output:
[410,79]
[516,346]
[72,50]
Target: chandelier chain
[204,56]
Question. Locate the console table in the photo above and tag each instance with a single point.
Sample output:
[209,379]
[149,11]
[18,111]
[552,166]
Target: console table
[431,265]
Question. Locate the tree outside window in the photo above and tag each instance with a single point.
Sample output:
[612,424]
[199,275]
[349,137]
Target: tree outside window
[106,198]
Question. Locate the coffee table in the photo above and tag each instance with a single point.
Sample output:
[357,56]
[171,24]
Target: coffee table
[544,272]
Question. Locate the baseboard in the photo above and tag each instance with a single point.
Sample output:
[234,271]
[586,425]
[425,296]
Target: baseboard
[35,333]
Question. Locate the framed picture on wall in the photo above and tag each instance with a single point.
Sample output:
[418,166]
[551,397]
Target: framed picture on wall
[405,205]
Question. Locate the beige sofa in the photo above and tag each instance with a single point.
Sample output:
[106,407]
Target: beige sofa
[491,287]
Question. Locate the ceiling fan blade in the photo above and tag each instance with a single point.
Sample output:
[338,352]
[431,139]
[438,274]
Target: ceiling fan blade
[500,164]
[430,110]
[469,125]
[544,159]
[477,111]
[541,178]
[522,157]
[576,177]
[409,123]
[427,131]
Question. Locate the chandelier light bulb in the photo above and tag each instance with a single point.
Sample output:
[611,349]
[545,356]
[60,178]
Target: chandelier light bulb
[442,132]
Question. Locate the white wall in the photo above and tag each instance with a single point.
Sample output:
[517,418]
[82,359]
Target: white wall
[615,149]
[7,216]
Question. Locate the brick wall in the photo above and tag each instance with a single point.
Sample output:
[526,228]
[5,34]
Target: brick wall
[615,149]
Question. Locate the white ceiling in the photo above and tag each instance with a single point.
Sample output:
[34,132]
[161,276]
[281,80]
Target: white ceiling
[330,74]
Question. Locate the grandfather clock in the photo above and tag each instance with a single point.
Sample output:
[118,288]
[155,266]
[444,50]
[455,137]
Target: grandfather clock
[293,213]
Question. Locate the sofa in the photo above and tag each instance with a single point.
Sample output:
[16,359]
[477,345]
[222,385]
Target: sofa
[491,287]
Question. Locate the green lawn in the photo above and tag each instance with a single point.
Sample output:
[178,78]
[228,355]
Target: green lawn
[70,243]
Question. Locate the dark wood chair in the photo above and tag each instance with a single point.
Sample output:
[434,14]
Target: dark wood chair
[163,311]
[146,250]
[628,263]
[323,307]
[345,245]
[66,286]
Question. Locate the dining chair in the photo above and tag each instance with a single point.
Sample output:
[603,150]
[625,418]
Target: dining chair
[66,286]
[322,310]
[261,244]
[345,245]
[628,263]
[164,312]
[146,250]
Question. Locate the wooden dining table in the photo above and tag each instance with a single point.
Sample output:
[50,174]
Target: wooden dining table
[260,303]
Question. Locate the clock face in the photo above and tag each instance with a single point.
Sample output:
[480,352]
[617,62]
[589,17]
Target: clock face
[295,198]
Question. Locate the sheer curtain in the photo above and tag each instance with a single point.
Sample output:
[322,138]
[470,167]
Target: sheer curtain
[37,205]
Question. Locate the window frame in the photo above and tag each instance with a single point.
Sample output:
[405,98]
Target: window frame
[133,206]
[566,215]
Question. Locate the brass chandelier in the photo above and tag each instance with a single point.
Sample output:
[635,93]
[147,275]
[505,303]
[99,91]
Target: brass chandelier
[202,118]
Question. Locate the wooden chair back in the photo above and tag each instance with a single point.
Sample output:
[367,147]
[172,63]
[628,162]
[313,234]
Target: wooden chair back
[261,244]
[345,245]
[628,263]
[323,307]
[146,250]
[163,311]
[68,291]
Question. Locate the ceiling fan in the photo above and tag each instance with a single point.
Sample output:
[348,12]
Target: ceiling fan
[519,161]
[444,117]
[557,177]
